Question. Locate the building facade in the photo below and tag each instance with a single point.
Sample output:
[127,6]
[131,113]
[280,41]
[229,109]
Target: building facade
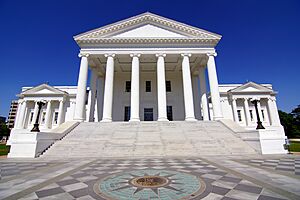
[150,68]
[12,114]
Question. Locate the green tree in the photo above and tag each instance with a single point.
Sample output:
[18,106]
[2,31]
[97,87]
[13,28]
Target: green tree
[4,131]
[291,122]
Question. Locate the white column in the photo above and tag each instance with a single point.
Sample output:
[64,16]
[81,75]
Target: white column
[48,114]
[21,115]
[234,110]
[161,88]
[214,87]
[259,110]
[247,112]
[100,91]
[270,113]
[135,89]
[60,112]
[203,97]
[197,107]
[274,111]
[35,112]
[92,96]
[108,88]
[81,88]
[187,89]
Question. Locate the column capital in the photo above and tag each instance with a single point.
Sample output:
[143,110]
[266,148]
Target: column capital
[234,99]
[135,55]
[83,55]
[186,54]
[160,55]
[211,54]
[271,98]
[109,55]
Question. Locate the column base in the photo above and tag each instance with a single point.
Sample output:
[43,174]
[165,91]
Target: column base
[78,120]
[134,120]
[217,118]
[162,120]
[191,119]
[106,120]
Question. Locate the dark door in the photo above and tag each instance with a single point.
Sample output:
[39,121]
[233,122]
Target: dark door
[148,114]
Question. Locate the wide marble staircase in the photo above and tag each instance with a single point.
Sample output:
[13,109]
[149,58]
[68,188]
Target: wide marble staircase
[151,139]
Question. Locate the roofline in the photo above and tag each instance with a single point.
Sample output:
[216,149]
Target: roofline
[141,15]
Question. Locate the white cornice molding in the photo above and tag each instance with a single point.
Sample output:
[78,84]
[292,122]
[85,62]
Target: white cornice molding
[192,32]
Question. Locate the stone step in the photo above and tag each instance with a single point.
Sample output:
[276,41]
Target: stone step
[119,139]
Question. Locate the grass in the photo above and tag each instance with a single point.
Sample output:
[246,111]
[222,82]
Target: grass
[294,146]
[4,149]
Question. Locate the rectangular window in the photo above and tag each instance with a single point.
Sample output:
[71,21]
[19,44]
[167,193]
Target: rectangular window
[127,113]
[128,86]
[251,115]
[239,115]
[148,114]
[55,120]
[263,115]
[170,113]
[31,118]
[168,86]
[148,86]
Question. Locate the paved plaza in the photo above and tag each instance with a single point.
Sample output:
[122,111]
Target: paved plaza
[213,177]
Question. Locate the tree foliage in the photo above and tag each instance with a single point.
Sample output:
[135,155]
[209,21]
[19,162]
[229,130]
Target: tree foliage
[4,131]
[291,122]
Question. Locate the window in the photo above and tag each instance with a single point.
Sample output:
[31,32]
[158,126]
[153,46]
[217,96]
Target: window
[127,86]
[31,118]
[170,113]
[251,115]
[43,117]
[263,115]
[168,86]
[148,86]
[55,118]
[148,114]
[127,113]
[239,115]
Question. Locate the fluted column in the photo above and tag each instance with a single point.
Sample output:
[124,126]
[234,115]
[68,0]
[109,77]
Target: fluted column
[187,88]
[60,112]
[234,110]
[81,88]
[203,96]
[21,114]
[35,112]
[214,87]
[48,114]
[92,96]
[161,88]
[108,88]
[247,112]
[135,89]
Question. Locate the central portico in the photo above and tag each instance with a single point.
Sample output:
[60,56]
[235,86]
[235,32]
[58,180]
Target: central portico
[147,68]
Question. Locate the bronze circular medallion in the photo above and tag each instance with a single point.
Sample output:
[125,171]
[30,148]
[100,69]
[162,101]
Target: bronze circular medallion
[149,181]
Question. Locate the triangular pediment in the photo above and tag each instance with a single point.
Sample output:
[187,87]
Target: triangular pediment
[251,87]
[149,31]
[43,89]
[148,26]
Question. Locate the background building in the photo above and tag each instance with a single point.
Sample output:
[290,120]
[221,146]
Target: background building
[12,114]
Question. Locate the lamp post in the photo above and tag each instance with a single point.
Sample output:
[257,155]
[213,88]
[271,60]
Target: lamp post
[36,124]
[259,123]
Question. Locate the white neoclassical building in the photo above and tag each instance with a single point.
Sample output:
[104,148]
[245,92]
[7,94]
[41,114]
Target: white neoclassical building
[149,68]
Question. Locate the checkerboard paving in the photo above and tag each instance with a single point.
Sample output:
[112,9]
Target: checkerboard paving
[9,170]
[291,165]
[219,183]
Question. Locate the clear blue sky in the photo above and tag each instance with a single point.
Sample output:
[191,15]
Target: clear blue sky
[260,39]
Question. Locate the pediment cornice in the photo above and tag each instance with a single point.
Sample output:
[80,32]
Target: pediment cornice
[43,89]
[104,34]
[251,87]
